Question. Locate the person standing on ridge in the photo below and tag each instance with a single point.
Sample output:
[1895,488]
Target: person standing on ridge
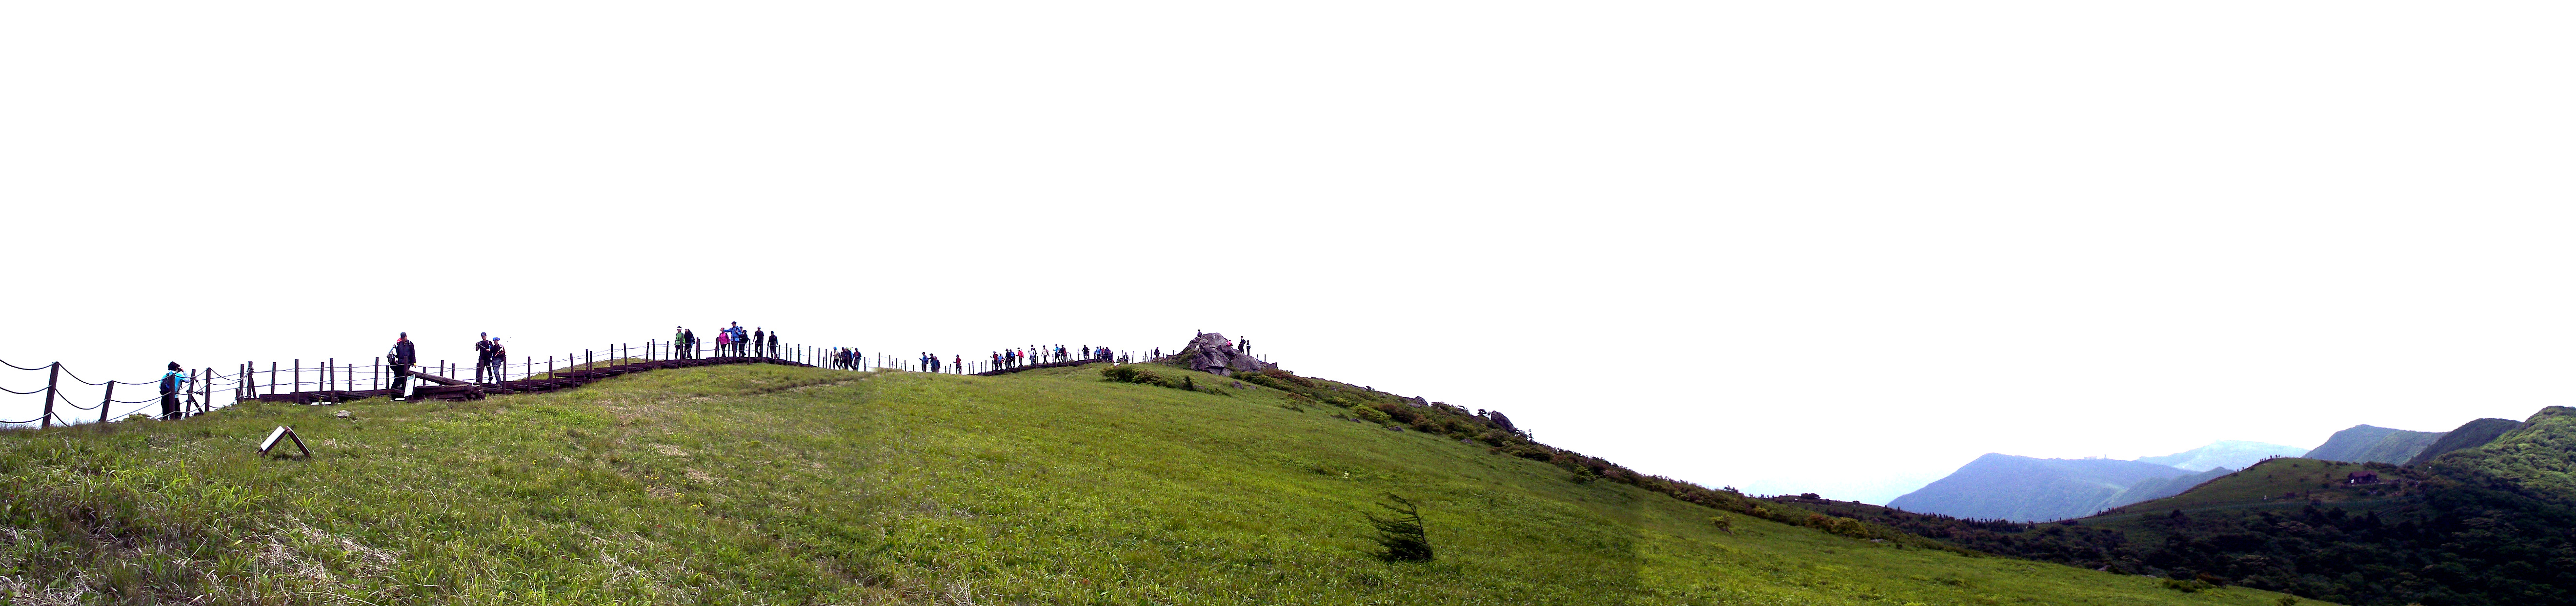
[482,355]
[172,383]
[398,363]
[756,338]
[500,361]
[773,344]
[679,338]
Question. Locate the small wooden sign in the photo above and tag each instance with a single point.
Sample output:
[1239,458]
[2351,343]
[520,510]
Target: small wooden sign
[283,432]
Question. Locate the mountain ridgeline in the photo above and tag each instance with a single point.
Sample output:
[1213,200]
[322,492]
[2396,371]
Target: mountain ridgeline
[2026,489]
[2367,444]
[2471,435]
[2485,515]
[760,484]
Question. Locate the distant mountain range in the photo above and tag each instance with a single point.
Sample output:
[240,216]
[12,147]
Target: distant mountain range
[2374,517]
[2025,489]
[2367,444]
[2230,454]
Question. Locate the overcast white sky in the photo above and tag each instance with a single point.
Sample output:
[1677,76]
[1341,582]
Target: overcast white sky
[1829,247]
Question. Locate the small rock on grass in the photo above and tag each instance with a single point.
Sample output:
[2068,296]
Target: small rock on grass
[344,414]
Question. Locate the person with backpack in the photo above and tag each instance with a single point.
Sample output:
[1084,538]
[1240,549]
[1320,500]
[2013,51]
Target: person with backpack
[724,343]
[398,362]
[500,361]
[172,383]
[482,356]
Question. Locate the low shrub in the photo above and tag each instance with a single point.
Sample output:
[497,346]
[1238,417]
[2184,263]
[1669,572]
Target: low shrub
[1401,533]
[1132,373]
[1369,413]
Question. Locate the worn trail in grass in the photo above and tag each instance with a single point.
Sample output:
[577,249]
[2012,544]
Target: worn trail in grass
[773,485]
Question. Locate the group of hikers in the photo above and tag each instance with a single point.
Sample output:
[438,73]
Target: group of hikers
[731,340]
[1018,356]
[845,358]
[491,360]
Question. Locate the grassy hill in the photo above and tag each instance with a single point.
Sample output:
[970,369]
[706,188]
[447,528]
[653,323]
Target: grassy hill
[2287,480]
[2367,444]
[777,485]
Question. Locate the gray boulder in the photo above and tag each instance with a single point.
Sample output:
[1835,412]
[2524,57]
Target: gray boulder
[1212,353]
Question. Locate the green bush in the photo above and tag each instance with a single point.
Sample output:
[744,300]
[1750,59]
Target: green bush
[1132,373]
[1369,413]
[1401,533]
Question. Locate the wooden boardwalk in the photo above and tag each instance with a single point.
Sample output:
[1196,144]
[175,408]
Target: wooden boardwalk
[436,387]
[1062,364]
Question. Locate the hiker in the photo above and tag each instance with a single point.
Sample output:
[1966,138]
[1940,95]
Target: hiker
[500,361]
[172,383]
[398,363]
[482,355]
[756,337]
[773,344]
[679,338]
[934,364]
[690,338]
[959,361]
[739,335]
[1246,345]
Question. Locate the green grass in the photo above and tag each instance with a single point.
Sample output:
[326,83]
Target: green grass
[761,484]
[2275,480]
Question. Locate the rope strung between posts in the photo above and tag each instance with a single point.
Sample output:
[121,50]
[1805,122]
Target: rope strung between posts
[68,373]
[21,367]
[23,393]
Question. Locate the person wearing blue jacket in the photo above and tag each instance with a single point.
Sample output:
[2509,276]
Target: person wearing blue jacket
[173,383]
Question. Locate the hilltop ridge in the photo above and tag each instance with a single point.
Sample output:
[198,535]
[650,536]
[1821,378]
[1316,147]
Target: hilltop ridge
[758,484]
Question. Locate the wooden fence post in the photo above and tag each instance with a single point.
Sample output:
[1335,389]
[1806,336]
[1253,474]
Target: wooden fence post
[296,373]
[104,401]
[50,378]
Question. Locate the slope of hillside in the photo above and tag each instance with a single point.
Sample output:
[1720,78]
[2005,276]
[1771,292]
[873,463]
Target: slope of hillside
[2157,488]
[2025,489]
[2538,456]
[2367,444]
[2231,454]
[774,485]
[2286,482]
[2472,434]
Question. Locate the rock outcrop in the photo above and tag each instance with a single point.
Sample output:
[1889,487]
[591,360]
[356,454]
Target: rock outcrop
[1213,353]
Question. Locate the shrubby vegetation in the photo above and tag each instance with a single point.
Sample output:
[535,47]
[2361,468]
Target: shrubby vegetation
[2490,526]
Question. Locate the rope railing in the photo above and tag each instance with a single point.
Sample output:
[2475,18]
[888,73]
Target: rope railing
[207,389]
